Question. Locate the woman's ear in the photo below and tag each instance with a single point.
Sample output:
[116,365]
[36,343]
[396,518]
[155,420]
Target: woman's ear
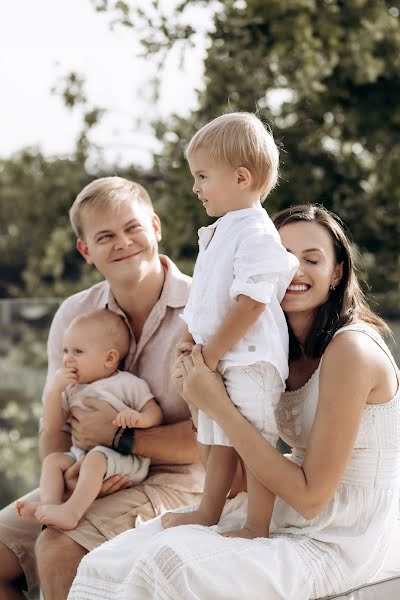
[337,274]
[112,359]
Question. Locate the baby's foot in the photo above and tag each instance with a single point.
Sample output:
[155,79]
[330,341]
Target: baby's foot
[27,510]
[58,515]
[195,517]
[245,532]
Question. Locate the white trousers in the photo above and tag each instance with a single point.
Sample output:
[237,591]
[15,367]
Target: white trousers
[255,390]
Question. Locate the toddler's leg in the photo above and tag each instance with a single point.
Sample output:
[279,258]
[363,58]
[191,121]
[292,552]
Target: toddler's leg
[51,484]
[67,515]
[221,467]
[259,512]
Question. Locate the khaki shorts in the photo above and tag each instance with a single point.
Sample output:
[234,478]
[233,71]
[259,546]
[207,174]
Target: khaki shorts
[106,518]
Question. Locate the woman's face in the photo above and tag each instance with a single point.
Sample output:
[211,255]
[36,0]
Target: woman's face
[312,245]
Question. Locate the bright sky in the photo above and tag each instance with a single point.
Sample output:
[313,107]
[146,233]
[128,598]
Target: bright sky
[42,41]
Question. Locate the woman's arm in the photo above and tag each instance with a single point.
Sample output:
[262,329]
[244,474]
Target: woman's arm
[346,380]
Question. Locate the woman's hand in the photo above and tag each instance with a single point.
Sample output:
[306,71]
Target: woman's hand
[90,429]
[201,387]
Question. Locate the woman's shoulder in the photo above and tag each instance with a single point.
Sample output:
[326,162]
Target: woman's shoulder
[354,341]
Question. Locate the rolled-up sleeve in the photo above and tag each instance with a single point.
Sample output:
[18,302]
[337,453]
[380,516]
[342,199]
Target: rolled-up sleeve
[261,265]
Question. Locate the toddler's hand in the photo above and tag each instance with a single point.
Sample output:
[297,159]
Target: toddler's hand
[211,361]
[127,418]
[64,377]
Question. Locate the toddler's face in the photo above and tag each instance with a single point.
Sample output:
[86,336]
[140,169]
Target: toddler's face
[85,351]
[215,185]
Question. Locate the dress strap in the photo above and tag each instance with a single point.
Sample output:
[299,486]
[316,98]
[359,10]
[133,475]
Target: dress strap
[374,335]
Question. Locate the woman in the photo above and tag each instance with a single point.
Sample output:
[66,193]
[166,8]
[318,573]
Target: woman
[338,491]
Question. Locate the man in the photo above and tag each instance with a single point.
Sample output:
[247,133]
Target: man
[118,232]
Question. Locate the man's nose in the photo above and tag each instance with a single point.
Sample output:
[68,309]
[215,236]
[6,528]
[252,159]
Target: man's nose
[195,188]
[123,241]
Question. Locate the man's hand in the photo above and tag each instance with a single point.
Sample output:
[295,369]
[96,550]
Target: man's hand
[90,429]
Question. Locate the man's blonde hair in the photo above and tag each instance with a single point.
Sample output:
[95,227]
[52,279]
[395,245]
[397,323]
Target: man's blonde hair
[111,331]
[240,139]
[105,193]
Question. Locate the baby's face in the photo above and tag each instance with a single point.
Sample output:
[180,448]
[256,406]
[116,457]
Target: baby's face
[216,185]
[85,351]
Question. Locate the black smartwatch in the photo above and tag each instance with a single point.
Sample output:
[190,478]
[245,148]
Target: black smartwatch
[126,441]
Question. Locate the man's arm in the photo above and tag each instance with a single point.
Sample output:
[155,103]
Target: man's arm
[168,444]
[164,444]
[53,442]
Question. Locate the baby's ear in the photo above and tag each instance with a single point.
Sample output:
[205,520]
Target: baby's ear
[112,358]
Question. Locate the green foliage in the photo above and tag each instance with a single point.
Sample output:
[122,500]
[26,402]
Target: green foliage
[325,75]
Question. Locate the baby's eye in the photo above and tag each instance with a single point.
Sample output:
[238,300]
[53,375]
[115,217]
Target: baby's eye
[78,351]
[312,262]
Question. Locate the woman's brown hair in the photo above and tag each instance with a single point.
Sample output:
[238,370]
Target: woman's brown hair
[346,303]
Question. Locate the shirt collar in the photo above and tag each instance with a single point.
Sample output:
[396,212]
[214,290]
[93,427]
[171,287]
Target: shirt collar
[233,216]
[176,287]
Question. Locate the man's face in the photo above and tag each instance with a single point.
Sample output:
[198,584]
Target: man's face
[122,243]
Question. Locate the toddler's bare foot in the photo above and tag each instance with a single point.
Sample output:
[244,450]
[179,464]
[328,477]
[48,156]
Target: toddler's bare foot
[27,510]
[195,517]
[58,515]
[246,533]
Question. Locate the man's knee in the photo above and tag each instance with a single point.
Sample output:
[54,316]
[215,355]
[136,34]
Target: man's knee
[54,548]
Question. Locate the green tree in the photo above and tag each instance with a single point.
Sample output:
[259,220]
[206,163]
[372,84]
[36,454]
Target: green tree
[325,74]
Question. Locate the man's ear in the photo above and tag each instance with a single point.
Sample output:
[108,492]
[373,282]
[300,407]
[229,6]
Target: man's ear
[84,251]
[243,177]
[112,358]
[155,219]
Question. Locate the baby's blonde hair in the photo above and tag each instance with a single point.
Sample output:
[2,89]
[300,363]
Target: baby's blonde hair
[110,328]
[105,193]
[240,139]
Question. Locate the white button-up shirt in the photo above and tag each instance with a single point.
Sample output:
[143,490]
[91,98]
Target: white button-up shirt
[241,253]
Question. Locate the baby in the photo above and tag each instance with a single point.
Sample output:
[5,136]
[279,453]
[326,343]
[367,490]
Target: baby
[241,275]
[94,344]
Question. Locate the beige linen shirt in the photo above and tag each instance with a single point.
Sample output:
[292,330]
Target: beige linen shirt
[150,359]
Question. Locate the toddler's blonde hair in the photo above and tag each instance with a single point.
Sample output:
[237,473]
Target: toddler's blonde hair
[105,193]
[240,139]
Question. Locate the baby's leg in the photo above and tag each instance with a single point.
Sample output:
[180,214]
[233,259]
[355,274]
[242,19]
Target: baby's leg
[67,515]
[51,484]
[259,512]
[221,467]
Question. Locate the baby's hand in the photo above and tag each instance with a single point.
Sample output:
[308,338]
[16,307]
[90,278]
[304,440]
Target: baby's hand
[127,418]
[64,377]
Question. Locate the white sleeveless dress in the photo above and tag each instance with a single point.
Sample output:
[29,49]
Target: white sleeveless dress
[340,549]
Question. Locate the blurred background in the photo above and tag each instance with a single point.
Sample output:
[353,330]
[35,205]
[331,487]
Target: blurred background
[95,87]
